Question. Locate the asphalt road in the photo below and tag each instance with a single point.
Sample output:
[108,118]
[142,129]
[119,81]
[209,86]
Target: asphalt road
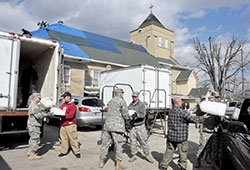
[13,152]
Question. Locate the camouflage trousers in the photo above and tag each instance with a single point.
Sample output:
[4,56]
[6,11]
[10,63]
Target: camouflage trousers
[34,141]
[204,143]
[107,139]
[139,133]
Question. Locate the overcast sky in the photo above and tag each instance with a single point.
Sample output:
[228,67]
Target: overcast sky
[220,19]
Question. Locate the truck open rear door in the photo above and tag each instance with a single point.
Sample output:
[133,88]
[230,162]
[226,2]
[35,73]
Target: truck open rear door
[9,47]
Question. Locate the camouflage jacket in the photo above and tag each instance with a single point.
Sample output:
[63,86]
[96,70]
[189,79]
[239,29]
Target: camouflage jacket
[140,109]
[36,114]
[116,115]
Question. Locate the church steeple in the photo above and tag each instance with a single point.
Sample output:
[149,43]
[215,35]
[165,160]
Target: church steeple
[151,20]
[154,37]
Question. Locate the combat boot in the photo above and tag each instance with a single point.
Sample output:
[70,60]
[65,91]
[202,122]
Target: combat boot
[208,158]
[33,156]
[133,158]
[101,163]
[28,154]
[197,163]
[120,165]
[214,165]
[149,159]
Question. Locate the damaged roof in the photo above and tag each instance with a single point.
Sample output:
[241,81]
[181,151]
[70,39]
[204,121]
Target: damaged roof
[89,45]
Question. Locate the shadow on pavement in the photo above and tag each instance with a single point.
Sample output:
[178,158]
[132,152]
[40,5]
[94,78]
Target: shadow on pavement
[4,165]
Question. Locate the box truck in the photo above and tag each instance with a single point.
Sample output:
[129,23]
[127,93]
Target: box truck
[27,65]
[152,83]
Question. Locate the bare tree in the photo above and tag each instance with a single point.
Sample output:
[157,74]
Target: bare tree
[220,64]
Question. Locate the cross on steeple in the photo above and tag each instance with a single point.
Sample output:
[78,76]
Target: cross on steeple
[151,7]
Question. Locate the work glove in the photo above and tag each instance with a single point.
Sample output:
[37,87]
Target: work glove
[134,116]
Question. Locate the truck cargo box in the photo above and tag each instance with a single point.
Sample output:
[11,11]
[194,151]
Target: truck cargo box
[153,83]
[23,57]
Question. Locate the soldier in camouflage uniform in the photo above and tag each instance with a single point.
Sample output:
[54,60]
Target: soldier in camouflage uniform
[214,144]
[36,115]
[208,139]
[205,134]
[138,130]
[114,128]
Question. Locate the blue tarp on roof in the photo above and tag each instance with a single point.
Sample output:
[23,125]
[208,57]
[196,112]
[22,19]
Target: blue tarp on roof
[141,48]
[66,30]
[74,39]
[73,49]
[101,42]
[41,33]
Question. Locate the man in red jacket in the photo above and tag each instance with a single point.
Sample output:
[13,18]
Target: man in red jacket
[68,129]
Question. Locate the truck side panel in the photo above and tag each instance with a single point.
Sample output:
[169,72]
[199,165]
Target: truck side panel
[149,81]
[157,81]
[131,76]
[9,55]
[164,86]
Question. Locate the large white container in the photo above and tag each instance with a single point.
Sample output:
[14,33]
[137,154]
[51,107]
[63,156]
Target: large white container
[144,78]
[213,108]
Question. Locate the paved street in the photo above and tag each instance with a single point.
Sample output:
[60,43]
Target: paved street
[13,154]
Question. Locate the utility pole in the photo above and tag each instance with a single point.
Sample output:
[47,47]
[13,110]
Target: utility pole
[242,73]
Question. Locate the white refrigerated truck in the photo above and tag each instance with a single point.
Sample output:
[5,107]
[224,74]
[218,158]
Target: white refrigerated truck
[153,84]
[16,53]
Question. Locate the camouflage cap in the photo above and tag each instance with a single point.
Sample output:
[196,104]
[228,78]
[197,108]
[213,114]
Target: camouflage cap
[118,90]
[135,94]
[203,97]
[37,95]
[216,94]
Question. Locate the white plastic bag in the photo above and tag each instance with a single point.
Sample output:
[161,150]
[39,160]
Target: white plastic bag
[131,112]
[47,102]
[213,108]
[57,111]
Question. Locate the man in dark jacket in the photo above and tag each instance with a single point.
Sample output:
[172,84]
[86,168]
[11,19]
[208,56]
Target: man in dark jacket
[68,129]
[178,120]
